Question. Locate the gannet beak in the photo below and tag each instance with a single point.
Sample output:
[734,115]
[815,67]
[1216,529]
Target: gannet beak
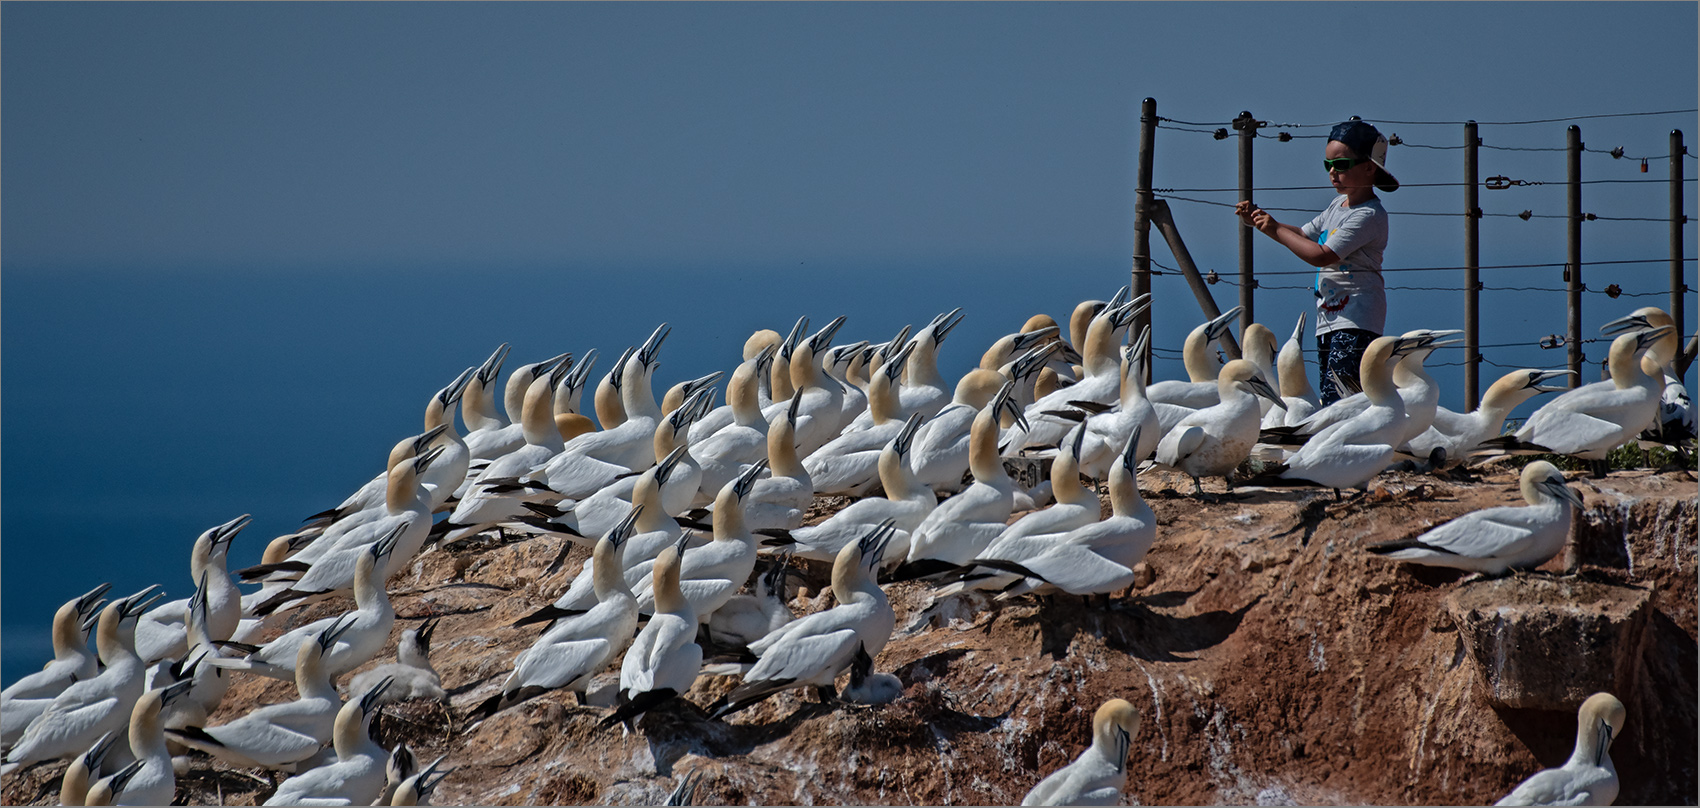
[1625,324]
[664,469]
[792,339]
[423,634]
[492,367]
[893,366]
[1116,299]
[1555,485]
[1079,437]
[1003,402]
[819,342]
[426,437]
[684,539]
[872,544]
[1133,308]
[623,530]
[1261,388]
[1539,376]
[561,371]
[617,374]
[1129,461]
[90,602]
[386,545]
[334,632]
[747,480]
[1651,335]
[174,691]
[1215,328]
[681,418]
[1033,360]
[139,602]
[544,367]
[651,346]
[449,395]
[1022,342]
[796,403]
[900,444]
[1299,330]
[424,461]
[226,533]
[581,371]
[946,324]
[369,701]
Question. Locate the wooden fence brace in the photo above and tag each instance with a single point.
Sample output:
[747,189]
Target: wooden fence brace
[1472,280]
[1165,222]
[1247,127]
[1142,220]
[1573,265]
[1678,289]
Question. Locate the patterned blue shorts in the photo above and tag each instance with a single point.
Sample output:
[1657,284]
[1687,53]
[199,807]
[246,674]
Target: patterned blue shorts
[1339,353]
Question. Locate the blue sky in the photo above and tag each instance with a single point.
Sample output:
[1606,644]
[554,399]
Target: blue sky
[242,242]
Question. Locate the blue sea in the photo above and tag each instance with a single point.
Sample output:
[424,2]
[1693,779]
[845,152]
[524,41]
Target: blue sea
[144,405]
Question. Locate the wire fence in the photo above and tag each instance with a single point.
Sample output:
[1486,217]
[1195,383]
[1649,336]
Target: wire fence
[1500,188]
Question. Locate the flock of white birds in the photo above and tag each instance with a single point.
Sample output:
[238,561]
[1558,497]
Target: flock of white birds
[925,462]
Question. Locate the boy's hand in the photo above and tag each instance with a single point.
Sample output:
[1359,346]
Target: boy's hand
[1255,217]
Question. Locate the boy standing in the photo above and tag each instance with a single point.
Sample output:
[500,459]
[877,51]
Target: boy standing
[1345,242]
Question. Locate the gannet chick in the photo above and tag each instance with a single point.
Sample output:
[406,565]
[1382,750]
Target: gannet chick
[960,527]
[781,500]
[373,616]
[1588,777]
[154,782]
[411,675]
[72,662]
[579,647]
[867,687]
[747,618]
[1093,559]
[663,661]
[358,773]
[1216,439]
[1494,540]
[279,736]
[160,633]
[1202,368]
[90,708]
[1455,434]
[416,789]
[1591,420]
[813,650]
[906,504]
[1097,776]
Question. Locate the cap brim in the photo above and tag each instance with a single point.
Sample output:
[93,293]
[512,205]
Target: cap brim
[1385,181]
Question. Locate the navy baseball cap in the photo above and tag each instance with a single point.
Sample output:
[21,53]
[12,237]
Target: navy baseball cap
[1367,142]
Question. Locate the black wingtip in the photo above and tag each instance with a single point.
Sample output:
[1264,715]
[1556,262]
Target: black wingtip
[1389,547]
[643,703]
[546,614]
[911,570]
[196,734]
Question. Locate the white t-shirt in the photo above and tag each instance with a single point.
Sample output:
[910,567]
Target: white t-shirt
[1350,294]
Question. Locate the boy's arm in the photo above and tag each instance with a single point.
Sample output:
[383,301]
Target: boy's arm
[1317,255]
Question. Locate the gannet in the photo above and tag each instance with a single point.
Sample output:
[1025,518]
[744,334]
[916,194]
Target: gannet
[823,399]
[758,354]
[416,789]
[1674,425]
[73,662]
[477,406]
[652,530]
[813,650]
[1025,372]
[358,773]
[1075,506]
[1293,381]
[445,479]
[678,394]
[906,504]
[1593,419]
[90,708]
[1106,435]
[1588,777]
[1258,346]
[747,618]
[372,619]
[1101,384]
[160,632]
[1097,776]
[1416,388]
[631,444]
[411,675]
[776,383]
[923,390]
[87,767]
[1202,369]
[608,505]
[491,498]
[743,439]
[1010,346]
[940,452]
[868,687]
[844,364]
[564,403]
[279,736]
[508,438]
[207,683]
[960,527]
[1216,439]
[1456,434]
[664,659]
[710,574]
[849,463]
[154,782]
[406,529]
[607,401]
[105,790]
[320,539]
[1350,452]
[1095,558]
[1494,540]
[579,647]
[781,500]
